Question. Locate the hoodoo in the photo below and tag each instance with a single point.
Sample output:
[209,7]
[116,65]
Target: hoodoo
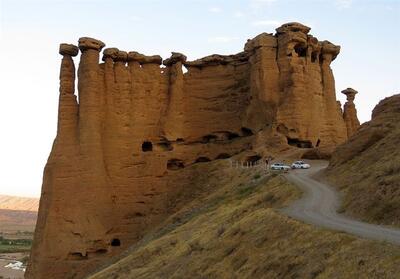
[122,155]
[350,112]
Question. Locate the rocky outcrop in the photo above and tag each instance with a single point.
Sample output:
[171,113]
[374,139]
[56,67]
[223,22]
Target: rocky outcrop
[119,163]
[350,112]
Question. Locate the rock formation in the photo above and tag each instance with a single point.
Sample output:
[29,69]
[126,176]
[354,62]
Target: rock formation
[119,162]
[350,112]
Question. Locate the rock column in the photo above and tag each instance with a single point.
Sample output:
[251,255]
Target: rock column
[93,184]
[334,128]
[350,112]
[89,94]
[173,127]
[68,107]
[264,78]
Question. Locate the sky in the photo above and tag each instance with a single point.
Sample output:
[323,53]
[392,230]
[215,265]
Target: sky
[31,31]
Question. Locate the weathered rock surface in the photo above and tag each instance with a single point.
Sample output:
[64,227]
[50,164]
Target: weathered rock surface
[350,112]
[118,163]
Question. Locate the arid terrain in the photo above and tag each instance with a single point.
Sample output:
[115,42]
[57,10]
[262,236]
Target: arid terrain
[367,168]
[238,231]
[19,203]
[17,224]
[161,167]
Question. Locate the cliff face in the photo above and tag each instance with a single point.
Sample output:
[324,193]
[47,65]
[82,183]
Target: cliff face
[118,163]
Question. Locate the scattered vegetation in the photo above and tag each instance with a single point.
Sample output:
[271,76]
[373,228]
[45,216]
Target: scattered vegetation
[367,167]
[14,245]
[237,231]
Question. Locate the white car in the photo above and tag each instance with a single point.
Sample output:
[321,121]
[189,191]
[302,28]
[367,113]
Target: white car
[300,165]
[279,166]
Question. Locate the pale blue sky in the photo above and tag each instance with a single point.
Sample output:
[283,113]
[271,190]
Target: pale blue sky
[30,32]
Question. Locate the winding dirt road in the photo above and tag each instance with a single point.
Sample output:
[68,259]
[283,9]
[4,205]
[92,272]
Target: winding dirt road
[320,203]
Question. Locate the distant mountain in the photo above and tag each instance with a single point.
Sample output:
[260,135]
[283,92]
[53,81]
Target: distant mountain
[19,203]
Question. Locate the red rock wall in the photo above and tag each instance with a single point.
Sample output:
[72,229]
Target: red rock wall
[119,160]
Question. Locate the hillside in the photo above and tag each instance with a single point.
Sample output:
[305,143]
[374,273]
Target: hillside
[367,167]
[12,221]
[19,203]
[237,231]
[17,214]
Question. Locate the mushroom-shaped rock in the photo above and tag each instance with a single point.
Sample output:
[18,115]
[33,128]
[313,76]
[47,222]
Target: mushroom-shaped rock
[330,49]
[175,57]
[262,40]
[121,56]
[350,93]
[350,112]
[90,43]
[293,27]
[110,53]
[143,59]
[68,49]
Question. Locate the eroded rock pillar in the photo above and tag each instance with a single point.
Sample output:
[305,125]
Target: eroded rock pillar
[173,127]
[293,114]
[350,112]
[67,130]
[334,129]
[264,79]
[89,94]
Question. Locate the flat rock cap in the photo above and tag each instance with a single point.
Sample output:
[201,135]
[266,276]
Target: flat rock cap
[175,57]
[110,52]
[349,91]
[90,43]
[329,48]
[261,40]
[121,56]
[293,27]
[68,49]
[144,59]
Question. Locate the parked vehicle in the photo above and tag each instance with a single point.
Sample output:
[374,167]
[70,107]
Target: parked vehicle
[300,165]
[279,166]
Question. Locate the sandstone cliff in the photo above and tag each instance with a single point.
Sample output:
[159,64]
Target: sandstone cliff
[367,167]
[119,162]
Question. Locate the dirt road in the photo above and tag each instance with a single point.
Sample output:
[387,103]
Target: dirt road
[320,203]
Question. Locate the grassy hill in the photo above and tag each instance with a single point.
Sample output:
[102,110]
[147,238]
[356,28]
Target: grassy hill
[367,167]
[236,230]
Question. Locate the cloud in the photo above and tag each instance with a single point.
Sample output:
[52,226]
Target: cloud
[273,23]
[215,10]
[222,39]
[343,4]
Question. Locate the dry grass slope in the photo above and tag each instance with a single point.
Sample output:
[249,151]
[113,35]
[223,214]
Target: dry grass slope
[237,231]
[367,167]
